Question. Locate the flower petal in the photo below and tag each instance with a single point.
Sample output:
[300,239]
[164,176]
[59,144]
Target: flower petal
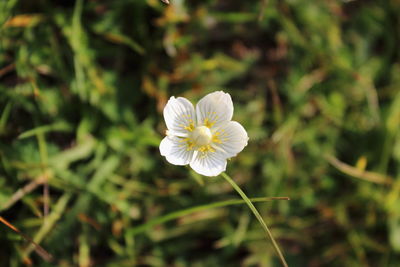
[214,109]
[230,139]
[209,164]
[179,116]
[175,151]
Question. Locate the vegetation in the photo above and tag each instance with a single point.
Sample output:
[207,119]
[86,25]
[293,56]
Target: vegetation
[315,83]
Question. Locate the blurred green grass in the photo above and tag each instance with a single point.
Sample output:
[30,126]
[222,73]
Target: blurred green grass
[315,83]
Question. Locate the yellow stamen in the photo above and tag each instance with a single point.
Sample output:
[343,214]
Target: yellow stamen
[208,123]
[206,148]
[189,128]
[201,138]
[215,138]
[190,145]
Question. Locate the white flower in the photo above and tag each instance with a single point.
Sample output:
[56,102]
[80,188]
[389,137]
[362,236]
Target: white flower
[204,138]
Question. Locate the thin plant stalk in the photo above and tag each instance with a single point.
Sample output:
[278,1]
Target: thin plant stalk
[257,215]
[39,250]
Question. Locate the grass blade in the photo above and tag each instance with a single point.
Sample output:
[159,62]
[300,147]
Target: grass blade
[177,214]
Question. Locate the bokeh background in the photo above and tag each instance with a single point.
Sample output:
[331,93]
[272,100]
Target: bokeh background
[82,88]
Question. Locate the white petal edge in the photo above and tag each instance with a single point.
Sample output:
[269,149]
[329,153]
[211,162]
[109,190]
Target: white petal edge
[178,113]
[217,107]
[210,165]
[233,137]
[174,152]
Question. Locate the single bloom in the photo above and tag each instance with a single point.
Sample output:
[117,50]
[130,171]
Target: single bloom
[204,137]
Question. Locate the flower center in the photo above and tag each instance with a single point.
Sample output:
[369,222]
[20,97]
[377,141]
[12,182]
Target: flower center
[202,135]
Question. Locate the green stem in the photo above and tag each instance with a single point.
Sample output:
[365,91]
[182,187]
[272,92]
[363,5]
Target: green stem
[258,216]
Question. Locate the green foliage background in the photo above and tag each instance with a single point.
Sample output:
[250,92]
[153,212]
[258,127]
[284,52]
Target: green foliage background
[315,83]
